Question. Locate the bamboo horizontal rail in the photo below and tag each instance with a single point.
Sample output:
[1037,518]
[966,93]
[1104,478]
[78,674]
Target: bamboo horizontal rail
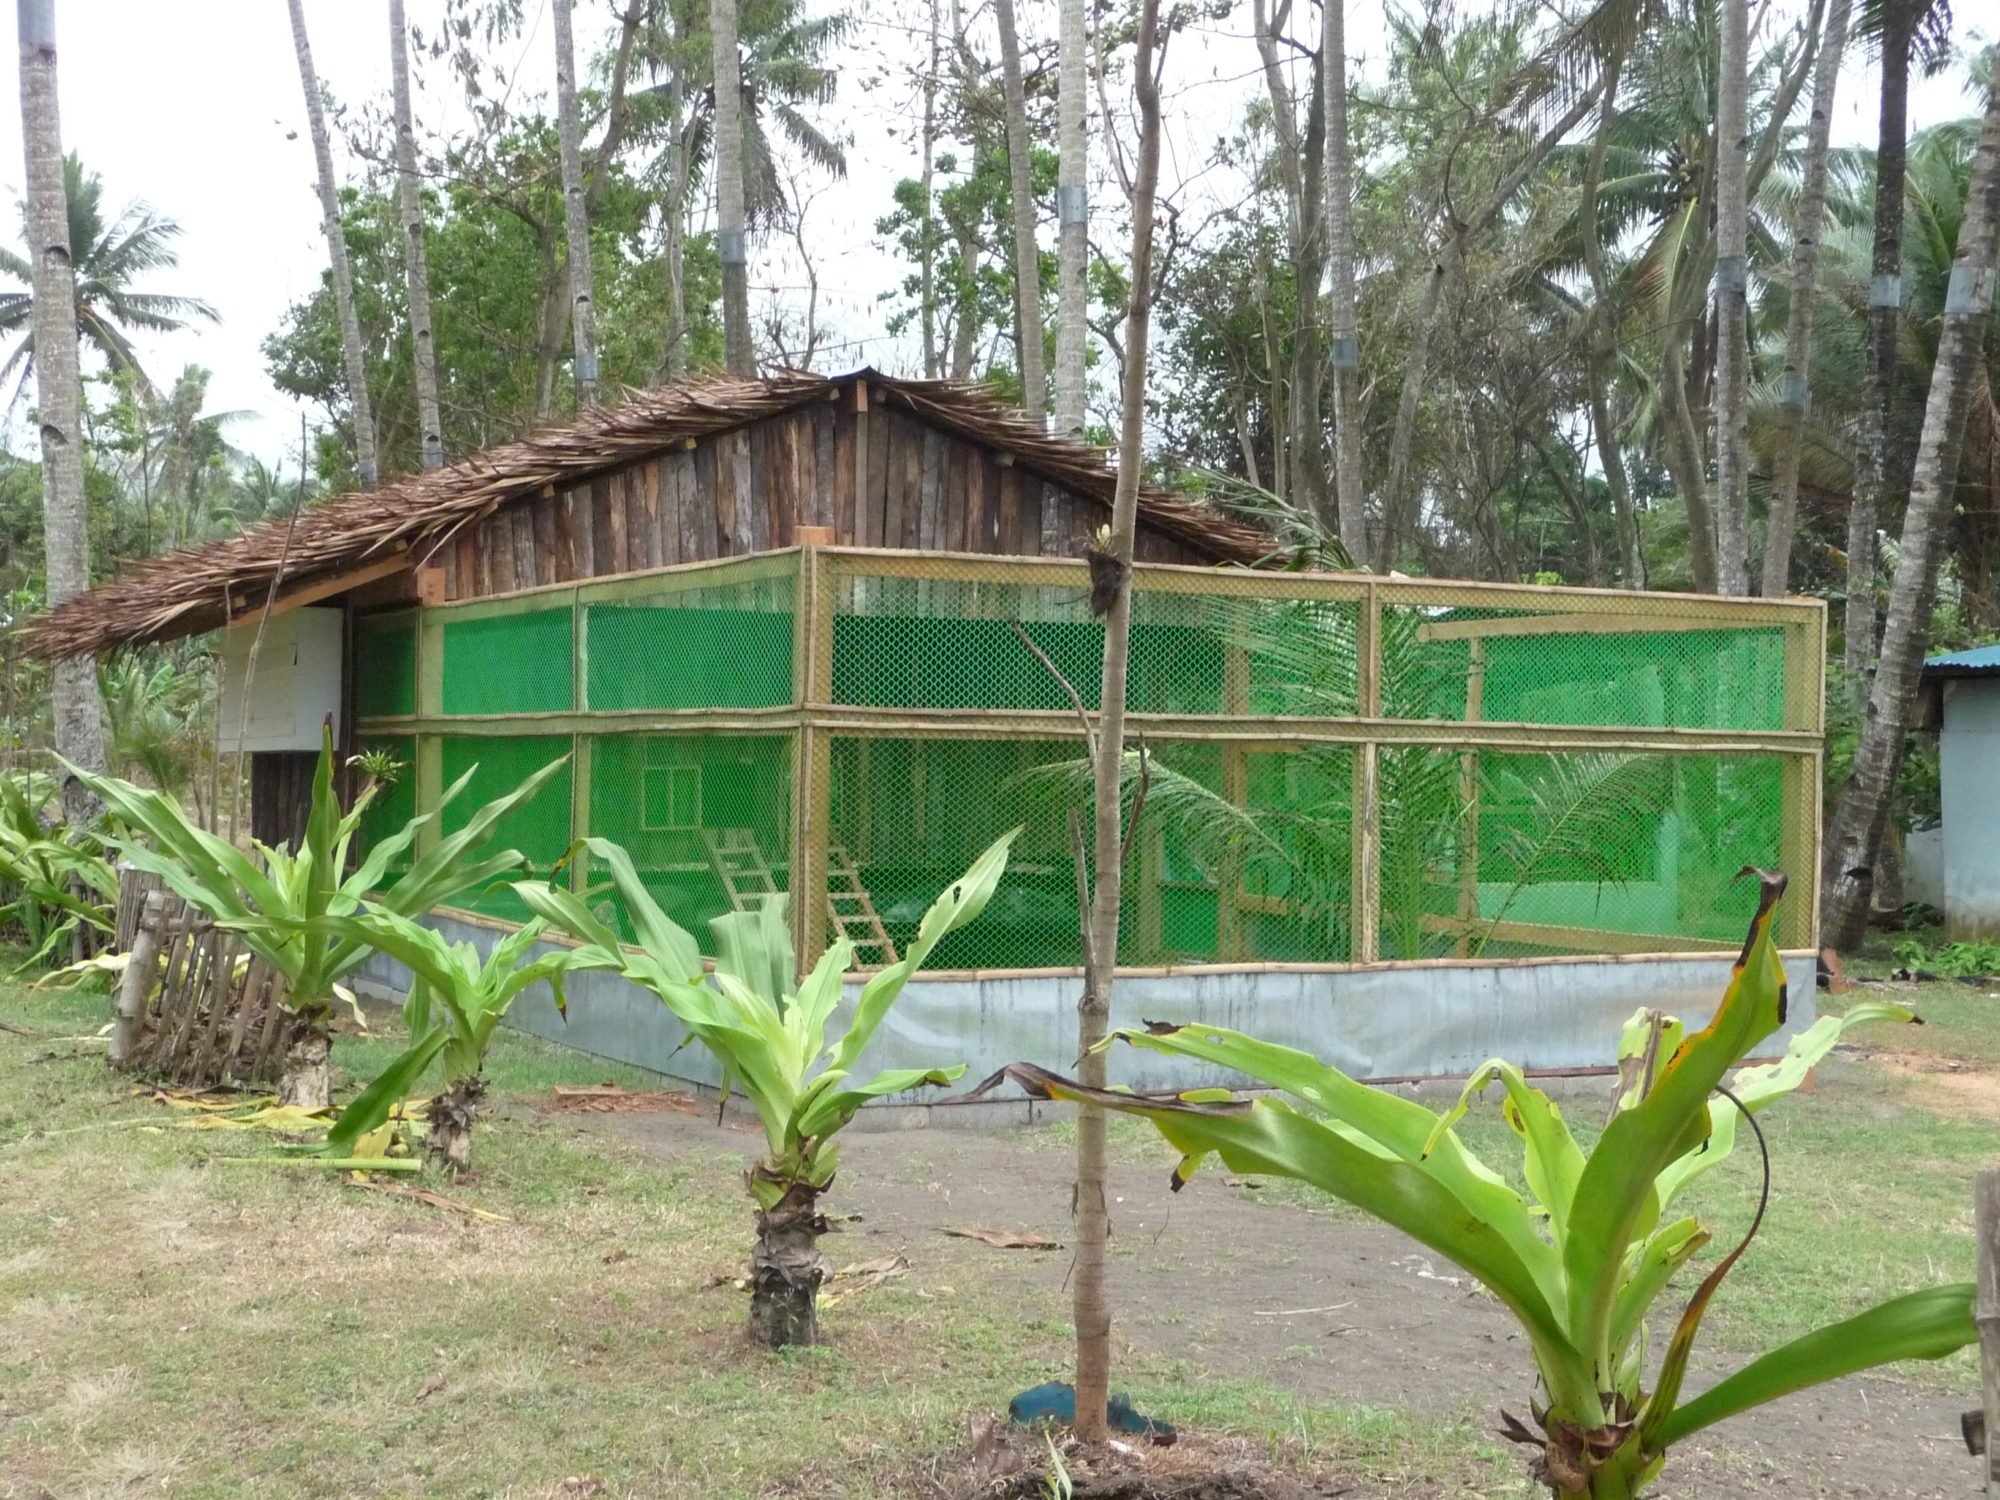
[1246,732]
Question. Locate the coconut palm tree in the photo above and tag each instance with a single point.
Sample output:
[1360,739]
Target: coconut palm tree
[50,271]
[780,66]
[109,256]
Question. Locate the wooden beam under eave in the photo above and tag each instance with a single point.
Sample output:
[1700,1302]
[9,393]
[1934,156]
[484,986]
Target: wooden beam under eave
[243,612]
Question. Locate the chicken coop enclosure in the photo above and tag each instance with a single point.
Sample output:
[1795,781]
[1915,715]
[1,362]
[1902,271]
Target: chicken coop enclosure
[1338,769]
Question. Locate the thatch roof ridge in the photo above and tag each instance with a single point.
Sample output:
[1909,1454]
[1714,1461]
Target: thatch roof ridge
[201,587]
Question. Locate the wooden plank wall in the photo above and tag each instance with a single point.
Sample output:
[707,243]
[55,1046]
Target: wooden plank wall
[749,490]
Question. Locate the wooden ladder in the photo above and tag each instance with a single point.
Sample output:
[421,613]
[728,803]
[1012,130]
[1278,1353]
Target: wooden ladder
[741,867]
[853,910]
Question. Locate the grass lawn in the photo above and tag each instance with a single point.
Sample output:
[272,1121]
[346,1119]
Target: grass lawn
[174,1320]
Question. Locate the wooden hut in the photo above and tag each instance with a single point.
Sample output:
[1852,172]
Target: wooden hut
[776,626]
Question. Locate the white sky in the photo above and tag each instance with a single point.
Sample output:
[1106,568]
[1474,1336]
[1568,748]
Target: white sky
[195,106]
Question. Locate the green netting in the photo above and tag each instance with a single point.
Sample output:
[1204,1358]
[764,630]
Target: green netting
[1605,671]
[939,643]
[701,816]
[508,664]
[727,646]
[539,828]
[1569,846]
[395,803]
[1246,849]
[385,656]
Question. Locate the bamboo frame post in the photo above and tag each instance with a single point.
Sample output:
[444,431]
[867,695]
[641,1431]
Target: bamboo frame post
[1236,789]
[1986,1315]
[1364,873]
[430,705]
[1799,834]
[580,741]
[1468,796]
[812,683]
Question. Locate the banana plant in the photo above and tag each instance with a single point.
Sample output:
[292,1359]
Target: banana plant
[770,1040]
[53,878]
[1584,1256]
[269,898]
[456,1001]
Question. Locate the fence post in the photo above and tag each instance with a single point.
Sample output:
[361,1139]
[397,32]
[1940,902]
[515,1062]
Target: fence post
[1365,943]
[812,677]
[1986,1314]
[137,981]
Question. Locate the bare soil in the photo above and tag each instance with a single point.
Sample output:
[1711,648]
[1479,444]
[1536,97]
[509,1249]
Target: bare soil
[1243,1287]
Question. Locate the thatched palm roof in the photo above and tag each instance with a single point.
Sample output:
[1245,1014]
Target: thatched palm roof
[405,521]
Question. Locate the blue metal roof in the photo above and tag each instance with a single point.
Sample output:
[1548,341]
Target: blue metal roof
[1974,663]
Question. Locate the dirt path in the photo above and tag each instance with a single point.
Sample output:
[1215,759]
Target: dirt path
[1335,1310]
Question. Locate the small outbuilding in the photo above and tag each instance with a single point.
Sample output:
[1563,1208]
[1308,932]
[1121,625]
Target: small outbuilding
[819,635]
[1960,862]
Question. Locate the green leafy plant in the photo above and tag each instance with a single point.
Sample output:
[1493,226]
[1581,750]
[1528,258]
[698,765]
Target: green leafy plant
[456,1001]
[271,899]
[770,1040]
[1583,1257]
[1953,960]
[53,878]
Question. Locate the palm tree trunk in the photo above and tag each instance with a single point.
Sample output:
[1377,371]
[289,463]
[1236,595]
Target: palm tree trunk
[1604,341]
[336,249]
[576,215]
[1091,1308]
[423,347]
[1072,219]
[1885,297]
[1732,270]
[1299,162]
[1350,496]
[448,1126]
[1856,836]
[1792,393]
[738,355]
[1021,195]
[78,709]
[676,361]
[1682,451]
[307,1078]
[786,1270]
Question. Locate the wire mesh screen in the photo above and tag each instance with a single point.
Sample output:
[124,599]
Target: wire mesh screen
[728,645]
[539,827]
[923,642]
[706,818]
[1518,771]
[508,663]
[385,649]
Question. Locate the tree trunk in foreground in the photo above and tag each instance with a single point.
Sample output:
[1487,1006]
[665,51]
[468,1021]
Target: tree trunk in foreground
[1021,193]
[1072,220]
[1856,835]
[576,217]
[738,355]
[416,268]
[336,249]
[307,1080]
[786,1270]
[1350,496]
[1091,1308]
[1732,313]
[78,710]
[1793,389]
[448,1126]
